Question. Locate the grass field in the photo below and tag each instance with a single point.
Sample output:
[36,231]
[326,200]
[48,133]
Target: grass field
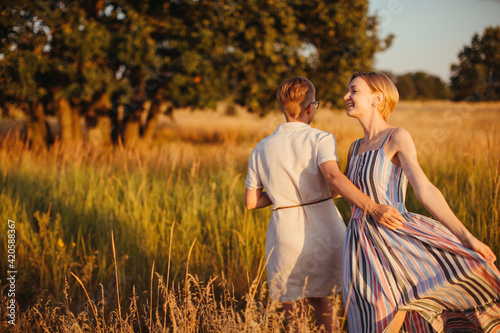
[188,256]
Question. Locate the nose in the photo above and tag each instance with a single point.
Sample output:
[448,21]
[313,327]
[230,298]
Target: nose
[346,96]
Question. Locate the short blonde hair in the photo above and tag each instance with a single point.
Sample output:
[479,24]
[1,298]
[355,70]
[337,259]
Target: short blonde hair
[378,82]
[293,95]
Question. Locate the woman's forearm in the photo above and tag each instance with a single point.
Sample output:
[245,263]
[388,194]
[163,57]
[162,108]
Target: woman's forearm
[339,183]
[435,203]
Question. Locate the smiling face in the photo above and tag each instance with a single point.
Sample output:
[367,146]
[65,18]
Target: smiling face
[368,88]
[360,97]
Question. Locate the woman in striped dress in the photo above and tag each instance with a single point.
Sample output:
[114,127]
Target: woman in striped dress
[423,275]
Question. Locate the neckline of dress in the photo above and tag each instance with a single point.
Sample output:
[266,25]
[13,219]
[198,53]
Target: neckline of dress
[359,154]
[292,125]
[383,152]
[384,142]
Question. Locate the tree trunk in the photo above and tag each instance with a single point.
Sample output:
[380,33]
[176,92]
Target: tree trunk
[37,126]
[117,125]
[157,108]
[76,126]
[131,131]
[71,131]
[66,119]
[99,125]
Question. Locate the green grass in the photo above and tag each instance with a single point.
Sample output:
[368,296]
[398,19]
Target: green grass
[67,201]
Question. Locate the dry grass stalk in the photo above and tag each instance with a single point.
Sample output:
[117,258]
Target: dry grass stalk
[117,281]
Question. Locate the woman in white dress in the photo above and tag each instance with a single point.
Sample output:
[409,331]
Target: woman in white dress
[298,167]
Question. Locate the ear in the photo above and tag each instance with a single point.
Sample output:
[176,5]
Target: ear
[378,98]
[308,110]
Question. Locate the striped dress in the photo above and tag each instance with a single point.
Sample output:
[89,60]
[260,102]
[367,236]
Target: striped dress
[421,268]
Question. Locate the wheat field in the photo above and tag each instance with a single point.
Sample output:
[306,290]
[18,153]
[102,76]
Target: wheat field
[157,239]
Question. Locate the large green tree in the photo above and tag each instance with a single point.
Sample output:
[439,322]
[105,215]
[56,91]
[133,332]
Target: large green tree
[127,62]
[477,75]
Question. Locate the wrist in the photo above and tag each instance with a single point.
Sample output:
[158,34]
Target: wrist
[465,236]
[370,207]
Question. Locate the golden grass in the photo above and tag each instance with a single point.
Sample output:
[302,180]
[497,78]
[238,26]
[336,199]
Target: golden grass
[207,274]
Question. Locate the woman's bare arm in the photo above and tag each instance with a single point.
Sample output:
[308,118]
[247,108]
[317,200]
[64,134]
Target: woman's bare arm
[256,199]
[431,198]
[339,183]
[334,194]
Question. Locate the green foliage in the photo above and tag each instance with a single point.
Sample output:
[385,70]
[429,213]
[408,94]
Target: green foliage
[189,53]
[22,49]
[421,86]
[477,75]
[342,38]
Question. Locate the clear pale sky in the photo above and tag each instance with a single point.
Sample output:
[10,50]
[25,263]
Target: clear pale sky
[430,34]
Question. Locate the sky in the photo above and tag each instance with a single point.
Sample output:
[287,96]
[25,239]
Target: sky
[429,34]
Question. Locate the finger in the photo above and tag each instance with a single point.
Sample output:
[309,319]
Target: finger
[397,223]
[390,226]
[487,254]
[396,214]
[399,217]
[393,224]
[490,255]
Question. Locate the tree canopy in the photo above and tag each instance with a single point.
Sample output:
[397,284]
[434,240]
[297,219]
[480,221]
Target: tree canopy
[121,59]
[477,75]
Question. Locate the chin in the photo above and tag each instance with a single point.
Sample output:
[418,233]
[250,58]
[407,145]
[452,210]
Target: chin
[351,113]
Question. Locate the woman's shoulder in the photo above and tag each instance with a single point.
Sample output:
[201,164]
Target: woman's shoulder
[400,133]
[401,139]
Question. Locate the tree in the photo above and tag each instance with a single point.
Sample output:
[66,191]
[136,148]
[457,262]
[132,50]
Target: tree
[63,58]
[342,38]
[54,59]
[129,61]
[22,63]
[263,48]
[421,85]
[477,75]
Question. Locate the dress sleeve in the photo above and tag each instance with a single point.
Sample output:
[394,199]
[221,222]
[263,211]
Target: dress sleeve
[253,181]
[327,149]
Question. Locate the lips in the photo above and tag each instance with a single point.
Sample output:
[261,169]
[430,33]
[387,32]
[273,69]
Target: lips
[350,104]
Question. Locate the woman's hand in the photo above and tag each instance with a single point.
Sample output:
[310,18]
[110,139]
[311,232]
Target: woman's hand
[475,244]
[387,216]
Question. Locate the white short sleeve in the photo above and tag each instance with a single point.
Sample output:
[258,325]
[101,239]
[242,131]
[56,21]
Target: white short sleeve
[253,181]
[327,149]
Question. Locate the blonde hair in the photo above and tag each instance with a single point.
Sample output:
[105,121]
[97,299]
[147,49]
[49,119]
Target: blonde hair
[378,82]
[293,95]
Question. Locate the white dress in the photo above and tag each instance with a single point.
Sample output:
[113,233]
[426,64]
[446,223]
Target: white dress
[304,244]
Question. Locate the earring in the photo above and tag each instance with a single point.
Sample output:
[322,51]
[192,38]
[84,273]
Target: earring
[374,105]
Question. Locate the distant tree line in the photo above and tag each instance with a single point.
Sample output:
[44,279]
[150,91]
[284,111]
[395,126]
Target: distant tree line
[475,78]
[421,86]
[120,64]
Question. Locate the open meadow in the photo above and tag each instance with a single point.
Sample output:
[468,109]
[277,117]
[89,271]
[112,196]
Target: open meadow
[158,239]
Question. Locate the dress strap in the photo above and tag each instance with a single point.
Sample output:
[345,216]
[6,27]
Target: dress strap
[356,147]
[387,138]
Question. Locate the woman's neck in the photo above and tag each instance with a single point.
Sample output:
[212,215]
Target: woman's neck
[372,125]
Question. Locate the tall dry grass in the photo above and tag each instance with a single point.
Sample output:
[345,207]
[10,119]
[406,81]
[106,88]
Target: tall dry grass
[67,200]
